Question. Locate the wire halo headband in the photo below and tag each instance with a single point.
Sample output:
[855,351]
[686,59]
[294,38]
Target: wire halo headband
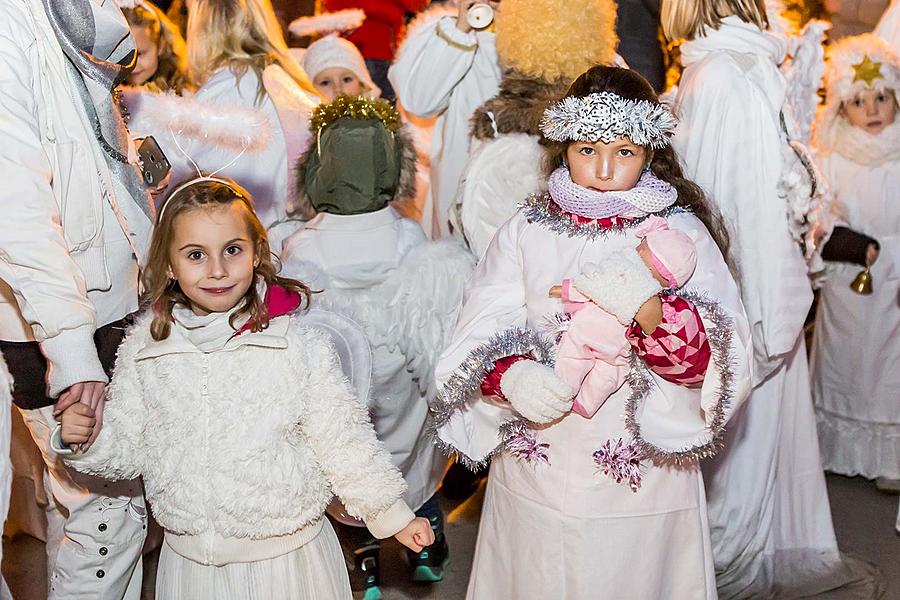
[195,181]
[606,116]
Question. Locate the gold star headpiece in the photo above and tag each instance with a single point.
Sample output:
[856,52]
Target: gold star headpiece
[868,71]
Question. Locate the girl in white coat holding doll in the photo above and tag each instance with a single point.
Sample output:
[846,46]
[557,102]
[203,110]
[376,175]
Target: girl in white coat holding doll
[573,505]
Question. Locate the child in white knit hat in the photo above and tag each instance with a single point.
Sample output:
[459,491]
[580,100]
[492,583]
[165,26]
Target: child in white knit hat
[855,351]
[337,68]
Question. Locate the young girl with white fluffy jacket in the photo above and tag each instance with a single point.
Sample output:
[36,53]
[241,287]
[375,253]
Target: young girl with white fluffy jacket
[237,415]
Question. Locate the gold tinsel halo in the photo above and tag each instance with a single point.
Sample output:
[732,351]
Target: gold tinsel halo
[355,108]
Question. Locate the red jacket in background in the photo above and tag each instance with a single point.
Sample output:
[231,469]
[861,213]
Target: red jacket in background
[377,37]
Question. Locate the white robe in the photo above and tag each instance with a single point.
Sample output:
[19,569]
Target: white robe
[432,76]
[768,505]
[888,27]
[855,361]
[563,529]
[380,270]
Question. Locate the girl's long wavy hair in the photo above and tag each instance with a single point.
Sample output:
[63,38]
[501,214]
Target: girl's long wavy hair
[163,293]
[241,35]
[664,163]
[172,70]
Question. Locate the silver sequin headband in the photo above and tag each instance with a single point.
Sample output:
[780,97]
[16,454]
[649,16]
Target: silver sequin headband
[606,116]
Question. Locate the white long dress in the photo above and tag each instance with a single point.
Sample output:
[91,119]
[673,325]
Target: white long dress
[855,361]
[379,269]
[888,27]
[563,529]
[441,71]
[768,506]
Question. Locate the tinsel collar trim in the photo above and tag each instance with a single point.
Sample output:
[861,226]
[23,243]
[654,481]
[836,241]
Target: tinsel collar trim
[720,333]
[355,108]
[605,116]
[651,194]
[542,210]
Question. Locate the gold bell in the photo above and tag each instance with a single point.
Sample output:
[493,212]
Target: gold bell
[862,283]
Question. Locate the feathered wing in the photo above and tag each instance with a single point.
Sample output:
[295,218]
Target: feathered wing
[500,173]
[424,295]
[414,309]
[804,75]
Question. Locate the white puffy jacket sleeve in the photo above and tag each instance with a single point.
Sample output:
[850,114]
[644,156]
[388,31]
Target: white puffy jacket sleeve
[432,62]
[34,256]
[118,452]
[337,427]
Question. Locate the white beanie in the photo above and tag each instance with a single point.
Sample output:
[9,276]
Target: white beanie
[334,51]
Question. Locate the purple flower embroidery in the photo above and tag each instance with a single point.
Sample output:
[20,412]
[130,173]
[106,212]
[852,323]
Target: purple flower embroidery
[621,462]
[523,444]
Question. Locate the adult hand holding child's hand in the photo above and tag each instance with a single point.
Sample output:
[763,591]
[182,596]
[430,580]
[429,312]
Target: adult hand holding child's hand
[416,535]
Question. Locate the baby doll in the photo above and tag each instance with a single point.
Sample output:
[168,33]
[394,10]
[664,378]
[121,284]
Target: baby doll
[596,368]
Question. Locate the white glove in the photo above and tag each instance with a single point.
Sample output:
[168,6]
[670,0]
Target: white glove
[619,285]
[536,392]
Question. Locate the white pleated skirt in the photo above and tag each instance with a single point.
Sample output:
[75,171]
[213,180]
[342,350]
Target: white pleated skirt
[315,571]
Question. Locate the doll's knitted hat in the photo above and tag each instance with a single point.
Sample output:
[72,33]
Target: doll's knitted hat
[858,63]
[673,252]
[552,40]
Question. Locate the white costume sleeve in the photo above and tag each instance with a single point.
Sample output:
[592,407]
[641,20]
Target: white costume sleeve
[432,62]
[494,302]
[730,143]
[49,287]
[338,428]
[672,422]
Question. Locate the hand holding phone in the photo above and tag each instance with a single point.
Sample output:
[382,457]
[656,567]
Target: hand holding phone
[153,163]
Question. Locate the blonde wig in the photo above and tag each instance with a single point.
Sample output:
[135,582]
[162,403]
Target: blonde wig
[241,35]
[552,41]
[688,19]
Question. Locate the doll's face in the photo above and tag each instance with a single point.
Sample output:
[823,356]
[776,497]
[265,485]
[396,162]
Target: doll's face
[338,81]
[871,110]
[147,58]
[606,167]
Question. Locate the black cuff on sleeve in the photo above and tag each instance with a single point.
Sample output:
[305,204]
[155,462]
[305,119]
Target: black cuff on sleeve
[846,245]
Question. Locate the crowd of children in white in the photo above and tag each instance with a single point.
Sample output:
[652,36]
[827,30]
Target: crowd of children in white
[598,294]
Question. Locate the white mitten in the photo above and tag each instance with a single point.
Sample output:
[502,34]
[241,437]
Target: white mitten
[536,392]
[619,285]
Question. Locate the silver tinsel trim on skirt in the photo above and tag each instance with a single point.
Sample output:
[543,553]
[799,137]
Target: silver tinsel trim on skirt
[720,337]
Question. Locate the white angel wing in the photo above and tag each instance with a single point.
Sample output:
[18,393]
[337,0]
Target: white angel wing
[500,173]
[804,75]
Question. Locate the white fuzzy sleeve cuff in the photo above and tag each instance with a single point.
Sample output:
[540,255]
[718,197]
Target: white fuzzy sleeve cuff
[391,521]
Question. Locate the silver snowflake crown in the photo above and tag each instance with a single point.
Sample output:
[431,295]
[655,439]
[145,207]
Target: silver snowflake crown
[606,116]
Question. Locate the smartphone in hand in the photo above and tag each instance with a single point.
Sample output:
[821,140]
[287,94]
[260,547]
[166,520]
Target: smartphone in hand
[154,164]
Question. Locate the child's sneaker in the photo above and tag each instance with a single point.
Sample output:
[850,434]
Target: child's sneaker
[429,564]
[366,559]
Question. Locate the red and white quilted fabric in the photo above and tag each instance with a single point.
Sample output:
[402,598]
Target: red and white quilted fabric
[678,350]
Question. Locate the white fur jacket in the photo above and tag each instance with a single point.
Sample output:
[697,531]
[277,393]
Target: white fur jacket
[251,441]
